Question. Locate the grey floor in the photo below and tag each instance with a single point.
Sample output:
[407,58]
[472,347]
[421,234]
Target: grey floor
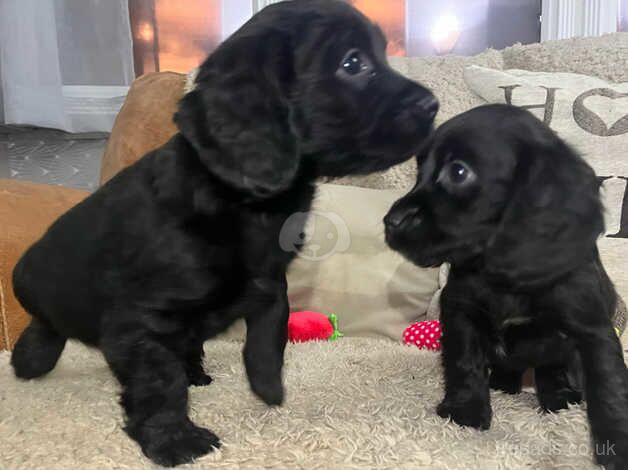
[51,157]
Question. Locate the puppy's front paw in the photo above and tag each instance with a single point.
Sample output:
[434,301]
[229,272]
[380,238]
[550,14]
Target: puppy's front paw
[559,399]
[174,443]
[269,390]
[198,377]
[474,412]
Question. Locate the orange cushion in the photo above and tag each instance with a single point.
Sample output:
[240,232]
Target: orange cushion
[144,121]
[26,211]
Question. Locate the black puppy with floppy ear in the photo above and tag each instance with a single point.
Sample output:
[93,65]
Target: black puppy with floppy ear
[517,214]
[176,247]
[239,119]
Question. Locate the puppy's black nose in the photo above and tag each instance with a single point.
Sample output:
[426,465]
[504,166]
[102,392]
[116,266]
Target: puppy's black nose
[396,218]
[427,105]
[421,105]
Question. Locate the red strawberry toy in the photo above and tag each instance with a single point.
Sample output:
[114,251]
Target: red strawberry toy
[424,335]
[311,326]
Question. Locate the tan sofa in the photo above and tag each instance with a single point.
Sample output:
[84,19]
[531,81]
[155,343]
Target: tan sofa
[145,122]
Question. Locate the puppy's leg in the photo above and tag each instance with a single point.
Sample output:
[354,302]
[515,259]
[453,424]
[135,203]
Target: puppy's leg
[194,364]
[155,397]
[266,336]
[467,399]
[37,350]
[190,349]
[555,388]
[506,380]
[606,389]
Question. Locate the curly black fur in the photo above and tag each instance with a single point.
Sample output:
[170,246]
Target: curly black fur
[176,247]
[517,214]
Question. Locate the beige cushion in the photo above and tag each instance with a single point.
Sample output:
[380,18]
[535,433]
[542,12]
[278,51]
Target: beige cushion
[604,56]
[591,115]
[346,268]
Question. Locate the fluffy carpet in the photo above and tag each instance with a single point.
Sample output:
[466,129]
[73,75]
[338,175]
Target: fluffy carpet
[352,404]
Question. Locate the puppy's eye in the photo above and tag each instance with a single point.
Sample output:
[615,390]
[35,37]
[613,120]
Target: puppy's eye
[456,173]
[355,63]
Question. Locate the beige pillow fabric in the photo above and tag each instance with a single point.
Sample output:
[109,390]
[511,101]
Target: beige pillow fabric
[591,115]
[346,268]
[602,56]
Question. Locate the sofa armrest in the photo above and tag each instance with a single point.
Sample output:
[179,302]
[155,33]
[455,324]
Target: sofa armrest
[26,209]
[144,121]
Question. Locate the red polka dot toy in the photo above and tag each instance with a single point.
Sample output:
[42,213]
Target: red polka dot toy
[424,335]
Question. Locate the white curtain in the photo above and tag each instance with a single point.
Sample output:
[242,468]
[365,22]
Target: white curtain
[65,64]
[573,18]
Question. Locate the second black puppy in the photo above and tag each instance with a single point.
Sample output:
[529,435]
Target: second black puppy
[173,249]
[517,214]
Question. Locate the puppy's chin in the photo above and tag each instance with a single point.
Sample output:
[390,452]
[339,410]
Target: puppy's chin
[383,161]
[414,245]
[425,257]
[415,135]
[432,256]
[338,165]
[400,146]
[366,154]
[427,248]
[426,260]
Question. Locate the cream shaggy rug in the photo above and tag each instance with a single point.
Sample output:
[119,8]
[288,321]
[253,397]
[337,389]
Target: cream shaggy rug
[351,404]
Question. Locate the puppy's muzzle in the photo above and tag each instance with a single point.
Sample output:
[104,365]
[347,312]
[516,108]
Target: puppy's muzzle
[397,219]
[422,106]
[414,105]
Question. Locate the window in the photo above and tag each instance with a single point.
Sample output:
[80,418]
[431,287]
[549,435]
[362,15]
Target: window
[467,27]
[391,17]
[175,35]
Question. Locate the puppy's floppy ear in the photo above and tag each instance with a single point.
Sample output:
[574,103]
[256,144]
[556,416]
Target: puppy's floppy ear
[554,217]
[425,167]
[239,116]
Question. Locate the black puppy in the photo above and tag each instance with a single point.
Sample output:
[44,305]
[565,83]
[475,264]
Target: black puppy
[175,248]
[517,214]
